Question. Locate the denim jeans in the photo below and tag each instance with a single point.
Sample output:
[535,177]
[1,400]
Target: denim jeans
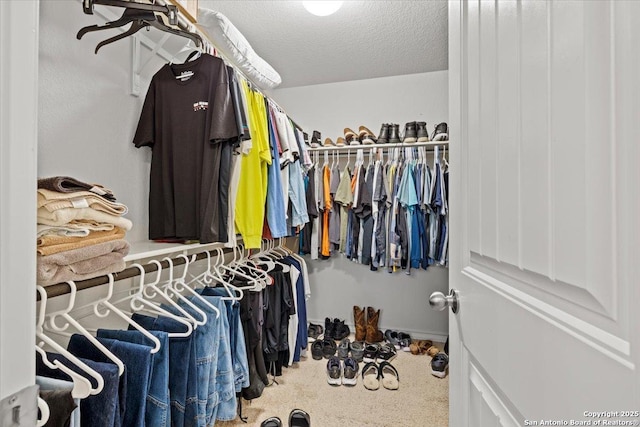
[236,339]
[157,412]
[49,384]
[137,362]
[183,388]
[205,337]
[100,410]
[224,379]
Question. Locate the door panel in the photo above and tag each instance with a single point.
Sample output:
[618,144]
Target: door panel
[544,112]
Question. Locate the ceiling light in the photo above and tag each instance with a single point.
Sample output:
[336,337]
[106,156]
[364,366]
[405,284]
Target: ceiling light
[322,8]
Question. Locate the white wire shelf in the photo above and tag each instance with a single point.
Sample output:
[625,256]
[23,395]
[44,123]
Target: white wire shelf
[383,146]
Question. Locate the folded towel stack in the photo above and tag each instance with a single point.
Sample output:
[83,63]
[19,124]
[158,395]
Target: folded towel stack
[81,231]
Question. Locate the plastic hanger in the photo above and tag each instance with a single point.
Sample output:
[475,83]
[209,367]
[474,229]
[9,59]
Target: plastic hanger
[171,290]
[219,277]
[64,314]
[180,285]
[139,302]
[44,412]
[236,272]
[262,275]
[112,308]
[81,385]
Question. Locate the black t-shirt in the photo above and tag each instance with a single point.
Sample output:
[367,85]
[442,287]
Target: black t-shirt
[186,122]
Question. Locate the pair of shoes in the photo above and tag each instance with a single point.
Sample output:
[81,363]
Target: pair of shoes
[314,331]
[389,133]
[400,340]
[342,372]
[316,139]
[420,346]
[297,418]
[441,132]
[379,353]
[439,365]
[385,371]
[364,136]
[323,348]
[367,329]
[335,329]
[415,131]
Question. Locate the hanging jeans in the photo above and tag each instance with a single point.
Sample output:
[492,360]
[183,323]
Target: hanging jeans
[157,410]
[53,384]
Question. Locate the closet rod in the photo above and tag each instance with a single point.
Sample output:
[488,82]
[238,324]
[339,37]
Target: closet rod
[370,146]
[63,288]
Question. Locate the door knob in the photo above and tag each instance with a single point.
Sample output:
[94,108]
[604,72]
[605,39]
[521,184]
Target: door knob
[439,301]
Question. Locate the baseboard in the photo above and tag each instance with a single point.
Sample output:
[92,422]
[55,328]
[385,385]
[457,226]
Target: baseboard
[415,334]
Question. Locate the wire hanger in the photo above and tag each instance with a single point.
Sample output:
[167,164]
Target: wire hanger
[81,385]
[64,313]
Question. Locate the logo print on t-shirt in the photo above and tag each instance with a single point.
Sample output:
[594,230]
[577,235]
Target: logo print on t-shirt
[201,105]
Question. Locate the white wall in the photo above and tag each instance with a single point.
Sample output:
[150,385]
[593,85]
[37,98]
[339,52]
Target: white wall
[339,284]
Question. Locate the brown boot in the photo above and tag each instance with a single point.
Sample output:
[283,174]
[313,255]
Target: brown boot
[361,324]
[373,333]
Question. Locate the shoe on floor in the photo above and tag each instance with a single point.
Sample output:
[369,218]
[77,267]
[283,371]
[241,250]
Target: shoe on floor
[299,418]
[441,132]
[334,371]
[357,350]
[439,365]
[392,338]
[404,341]
[314,331]
[389,376]
[317,349]
[328,348]
[386,353]
[371,376]
[329,328]
[433,350]
[350,371]
[343,348]
[340,330]
[272,422]
[370,352]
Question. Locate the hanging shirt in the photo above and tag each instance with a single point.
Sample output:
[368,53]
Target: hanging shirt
[344,197]
[326,193]
[276,213]
[252,189]
[185,122]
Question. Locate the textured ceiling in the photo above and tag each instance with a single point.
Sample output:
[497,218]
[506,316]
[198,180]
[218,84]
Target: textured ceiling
[364,39]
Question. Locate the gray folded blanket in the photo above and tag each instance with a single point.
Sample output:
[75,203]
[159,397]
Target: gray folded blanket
[82,263]
[66,184]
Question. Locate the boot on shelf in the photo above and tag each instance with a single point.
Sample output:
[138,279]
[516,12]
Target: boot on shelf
[361,324]
[373,333]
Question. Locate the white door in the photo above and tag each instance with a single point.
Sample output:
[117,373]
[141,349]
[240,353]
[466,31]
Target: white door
[545,227]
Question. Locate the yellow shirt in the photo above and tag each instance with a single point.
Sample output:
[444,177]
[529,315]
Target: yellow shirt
[252,188]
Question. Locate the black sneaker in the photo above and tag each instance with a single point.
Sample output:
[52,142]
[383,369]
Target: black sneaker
[350,371]
[329,328]
[441,132]
[343,349]
[410,134]
[317,349]
[334,371]
[357,350]
[340,330]
[314,331]
[439,365]
[391,337]
[328,348]
[315,139]
[305,136]
[404,341]
[422,132]
[370,353]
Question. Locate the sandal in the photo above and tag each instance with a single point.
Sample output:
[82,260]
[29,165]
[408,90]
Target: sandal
[386,353]
[299,418]
[272,422]
[371,376]
[389,375]
[370,352]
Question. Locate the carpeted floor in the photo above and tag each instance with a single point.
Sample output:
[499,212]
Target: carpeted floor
[422,399]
